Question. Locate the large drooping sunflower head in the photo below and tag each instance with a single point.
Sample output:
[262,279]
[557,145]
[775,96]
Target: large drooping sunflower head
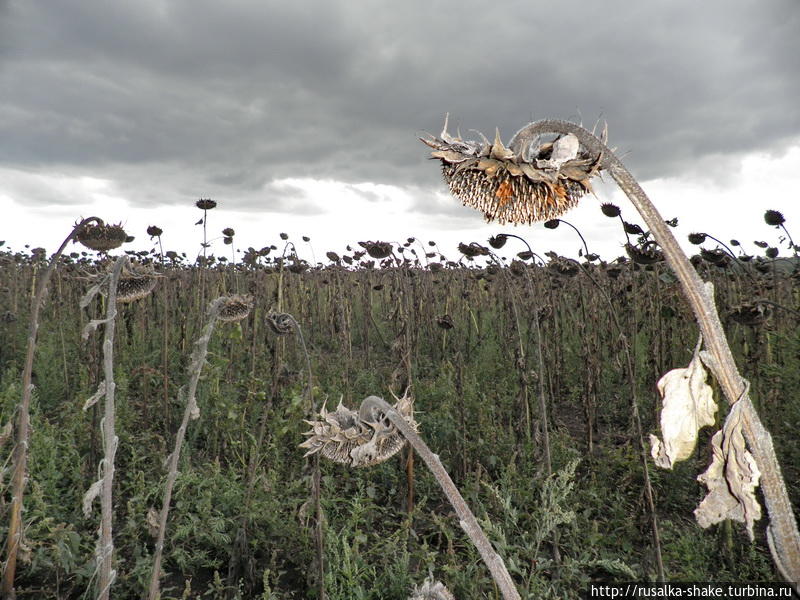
[358,439]
[529,181]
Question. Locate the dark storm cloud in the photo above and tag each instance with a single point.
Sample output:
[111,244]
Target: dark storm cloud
[227,97]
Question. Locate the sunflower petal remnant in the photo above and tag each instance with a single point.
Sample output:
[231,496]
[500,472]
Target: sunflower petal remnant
[358,439]
[515,185]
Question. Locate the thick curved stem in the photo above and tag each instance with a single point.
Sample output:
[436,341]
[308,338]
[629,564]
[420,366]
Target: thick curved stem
[19,479]
[466,519]
[782,531]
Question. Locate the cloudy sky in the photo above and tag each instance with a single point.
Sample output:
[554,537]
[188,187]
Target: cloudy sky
[304,116]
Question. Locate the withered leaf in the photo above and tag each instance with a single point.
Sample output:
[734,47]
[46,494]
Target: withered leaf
[688,405]
[731,478]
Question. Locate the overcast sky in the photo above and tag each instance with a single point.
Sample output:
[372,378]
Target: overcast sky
[304,116]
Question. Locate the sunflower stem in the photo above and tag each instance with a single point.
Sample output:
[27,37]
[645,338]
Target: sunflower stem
[466,519]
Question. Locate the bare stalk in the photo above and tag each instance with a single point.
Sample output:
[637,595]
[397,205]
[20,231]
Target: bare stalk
[466,519]
[782,533]
[187,395]
[105,549]
[18,479]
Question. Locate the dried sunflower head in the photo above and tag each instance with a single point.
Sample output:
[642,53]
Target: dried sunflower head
[752,314]
[235,308]
[522,184]
[717,257]
[205,204]
[377,250]
[472,249]
[102,237]
[135,282]
[358,439]
[280,323]
[563,266]
[648,254]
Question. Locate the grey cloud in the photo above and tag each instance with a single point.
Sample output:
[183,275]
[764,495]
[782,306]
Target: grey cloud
[233,96]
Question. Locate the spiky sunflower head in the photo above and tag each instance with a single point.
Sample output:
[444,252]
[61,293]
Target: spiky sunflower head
[472,249]
[101,237]
[648,254]
[358,439]
[563,266]
[235,308]
[610,210]
[525,183]
[697,238]
[716,257]
[751,314]
[773,217]
[377,250]
[205,204]
[498,241]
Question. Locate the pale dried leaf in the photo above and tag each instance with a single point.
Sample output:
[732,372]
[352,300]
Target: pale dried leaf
[731,478]
[92,493]
[101,390]
[153,522]
[564,148]
[688,405]
[90,294]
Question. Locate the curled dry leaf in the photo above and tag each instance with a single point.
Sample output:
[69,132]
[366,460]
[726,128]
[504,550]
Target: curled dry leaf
[92,493]
[688,405]
[731,478]
[153,524]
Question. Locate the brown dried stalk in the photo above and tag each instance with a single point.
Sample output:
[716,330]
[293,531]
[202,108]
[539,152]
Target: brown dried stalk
[18,479]
[782,533]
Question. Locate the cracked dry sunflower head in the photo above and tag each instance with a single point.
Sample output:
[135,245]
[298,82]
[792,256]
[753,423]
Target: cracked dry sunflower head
[235,308]
[358,439]
[525,183]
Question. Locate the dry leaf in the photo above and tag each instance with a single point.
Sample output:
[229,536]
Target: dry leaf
[688,405]
[92,493]
[731,478]
[153,522]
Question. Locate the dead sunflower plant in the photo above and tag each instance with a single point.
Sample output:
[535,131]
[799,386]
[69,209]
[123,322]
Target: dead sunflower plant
[531,181]
[375,433]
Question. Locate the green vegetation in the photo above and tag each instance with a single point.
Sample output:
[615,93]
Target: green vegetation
[465,338]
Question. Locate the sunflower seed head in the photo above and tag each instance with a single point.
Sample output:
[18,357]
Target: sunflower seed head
[515,187]
[101,237]
[358,439]
[235,308]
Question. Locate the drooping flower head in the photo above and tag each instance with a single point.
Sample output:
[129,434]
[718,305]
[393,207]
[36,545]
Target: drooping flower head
[525,183]
[358,439]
